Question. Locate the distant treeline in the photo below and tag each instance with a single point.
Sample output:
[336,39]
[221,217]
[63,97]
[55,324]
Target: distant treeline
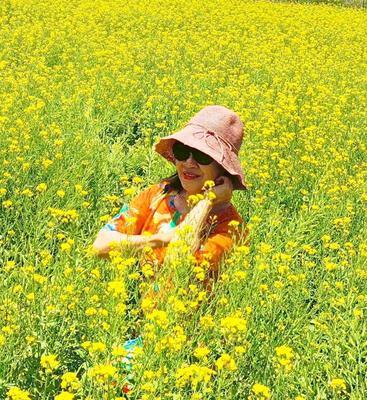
[347,3]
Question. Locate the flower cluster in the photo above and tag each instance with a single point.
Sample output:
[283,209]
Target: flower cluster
[284,358]
[85,93]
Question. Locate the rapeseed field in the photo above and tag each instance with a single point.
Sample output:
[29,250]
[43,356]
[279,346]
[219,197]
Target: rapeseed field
[86,89]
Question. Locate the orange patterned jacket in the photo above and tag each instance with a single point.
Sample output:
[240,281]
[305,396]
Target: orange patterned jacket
[153,211]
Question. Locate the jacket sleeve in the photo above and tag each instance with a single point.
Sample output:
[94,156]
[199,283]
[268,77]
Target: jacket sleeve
[229,229]
[218,243]
[131,217]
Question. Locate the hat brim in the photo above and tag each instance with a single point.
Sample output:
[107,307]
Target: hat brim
[229,161]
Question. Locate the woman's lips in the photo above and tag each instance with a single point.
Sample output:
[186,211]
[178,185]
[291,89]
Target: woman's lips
[188,176]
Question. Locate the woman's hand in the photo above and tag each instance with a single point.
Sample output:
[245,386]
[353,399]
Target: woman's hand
[102,244]
[161,239]
[104,240]
[223,190]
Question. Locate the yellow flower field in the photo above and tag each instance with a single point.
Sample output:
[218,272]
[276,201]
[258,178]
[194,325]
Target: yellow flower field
[86,89]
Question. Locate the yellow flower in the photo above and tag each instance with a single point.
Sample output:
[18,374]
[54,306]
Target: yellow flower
[137,179]
[208,184]
[49,362]
[147,270]
[70,381]
[27,192]
[358,312]
[225,361]
[233,224]
[46,163]
[112,198]
[102,372]
[159,317]
[284,351]
[90,311]
[39,278]
[233,326]
[118,351]
[26,166]
[30,296]
[129,191]
[66,246]
[223,301]
[193,374]
[193,199]
[201,352]
[94,347]
[17,394]
[149,374]
[207,321]
[147,304]
[64,216]
[338,384]
[10,265]
[30,339]
[117,288]
[240,349]
[42,187]
[173,342]
[326,238]
[178,305]
[64,396]
[97,347]
[79,189]
[284,357]
[260,392]
[211,195]
[7,203]
[265,248]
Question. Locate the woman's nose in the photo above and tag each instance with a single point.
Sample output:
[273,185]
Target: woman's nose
[190,160]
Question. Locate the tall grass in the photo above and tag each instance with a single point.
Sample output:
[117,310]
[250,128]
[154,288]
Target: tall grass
[87,87]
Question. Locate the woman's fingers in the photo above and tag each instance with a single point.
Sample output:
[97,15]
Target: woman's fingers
[166,237]
[224,190]
[219,180]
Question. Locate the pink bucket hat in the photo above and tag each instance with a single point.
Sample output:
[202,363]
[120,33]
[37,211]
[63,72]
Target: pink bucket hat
[217,132]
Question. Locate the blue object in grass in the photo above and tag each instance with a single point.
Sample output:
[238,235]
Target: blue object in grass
[130,346]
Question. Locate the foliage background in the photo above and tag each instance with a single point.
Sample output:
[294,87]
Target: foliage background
[87,87]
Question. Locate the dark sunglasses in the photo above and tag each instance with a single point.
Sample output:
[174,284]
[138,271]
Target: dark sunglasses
[182,152]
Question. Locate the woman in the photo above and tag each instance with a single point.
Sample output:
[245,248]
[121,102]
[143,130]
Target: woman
[206,149]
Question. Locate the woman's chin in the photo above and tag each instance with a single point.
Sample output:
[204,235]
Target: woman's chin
[192,188]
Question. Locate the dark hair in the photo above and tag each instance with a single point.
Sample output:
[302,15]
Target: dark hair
[173,182]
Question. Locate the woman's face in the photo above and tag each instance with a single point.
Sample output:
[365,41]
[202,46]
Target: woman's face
[193,175]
